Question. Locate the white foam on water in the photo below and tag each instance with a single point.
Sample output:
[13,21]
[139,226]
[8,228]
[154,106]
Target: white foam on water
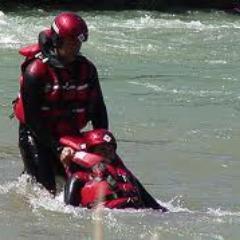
[5,188]
[148,224]
[216,61]
[3,21]
[147,22]
[175,205]
[161,21]
[16,31]
[199,93]
[40,199]
[222,213]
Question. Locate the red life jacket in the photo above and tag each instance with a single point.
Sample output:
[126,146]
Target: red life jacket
[65,100]
[98,175]
[94,193]
[29,52]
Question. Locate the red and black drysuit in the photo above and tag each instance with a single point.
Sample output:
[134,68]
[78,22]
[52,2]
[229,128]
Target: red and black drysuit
[90,175]
[118,186]
[55,100]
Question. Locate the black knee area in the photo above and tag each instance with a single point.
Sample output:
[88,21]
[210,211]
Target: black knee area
[36,159]
[72,191]
[28,151]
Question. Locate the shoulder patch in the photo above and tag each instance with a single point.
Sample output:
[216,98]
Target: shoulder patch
[37,68]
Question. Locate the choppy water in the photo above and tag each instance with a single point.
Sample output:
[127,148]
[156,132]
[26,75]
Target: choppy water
[171,85]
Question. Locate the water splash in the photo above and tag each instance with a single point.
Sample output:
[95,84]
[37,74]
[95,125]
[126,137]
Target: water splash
[222,213]
[179,222]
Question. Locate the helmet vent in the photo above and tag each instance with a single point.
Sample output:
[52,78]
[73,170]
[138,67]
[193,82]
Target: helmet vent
[107,138]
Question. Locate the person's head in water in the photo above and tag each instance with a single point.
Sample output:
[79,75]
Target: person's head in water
[69,31]
[101,142]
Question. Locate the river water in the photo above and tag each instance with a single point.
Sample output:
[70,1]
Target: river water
[171,86]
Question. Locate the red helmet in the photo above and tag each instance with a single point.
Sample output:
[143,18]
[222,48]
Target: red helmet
[99,136]
[68,24]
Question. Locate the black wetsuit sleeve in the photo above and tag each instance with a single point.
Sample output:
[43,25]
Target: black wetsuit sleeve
[148,200]
[97,108]
[146,197]
[32,91]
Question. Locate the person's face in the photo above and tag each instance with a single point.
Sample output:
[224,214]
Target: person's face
[105,150]
[69,49]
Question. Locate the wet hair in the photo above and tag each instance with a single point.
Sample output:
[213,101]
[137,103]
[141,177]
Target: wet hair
[48,42]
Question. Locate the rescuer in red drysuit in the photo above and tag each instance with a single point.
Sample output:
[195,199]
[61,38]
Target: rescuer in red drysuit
[59,94]
[96,175]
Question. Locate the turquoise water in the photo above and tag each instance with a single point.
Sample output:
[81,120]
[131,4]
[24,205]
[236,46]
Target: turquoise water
[171,85]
